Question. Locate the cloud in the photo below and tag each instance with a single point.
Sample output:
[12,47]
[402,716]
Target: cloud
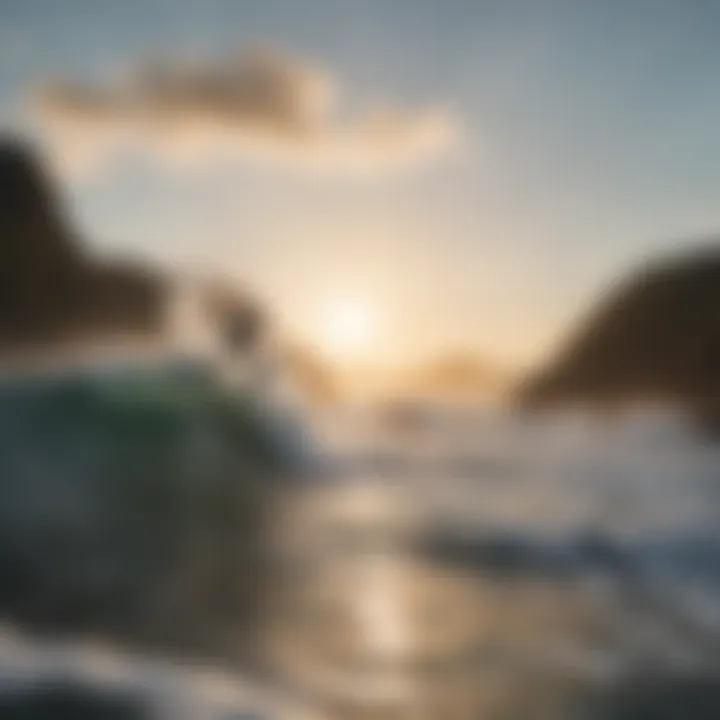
[261,107]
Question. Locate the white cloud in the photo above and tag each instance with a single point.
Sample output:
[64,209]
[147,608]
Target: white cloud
[261,107]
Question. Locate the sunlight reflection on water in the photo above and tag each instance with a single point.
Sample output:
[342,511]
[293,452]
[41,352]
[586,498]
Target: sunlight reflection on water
[481,568]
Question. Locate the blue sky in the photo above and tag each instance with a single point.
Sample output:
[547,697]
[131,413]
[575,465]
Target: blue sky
[590,140]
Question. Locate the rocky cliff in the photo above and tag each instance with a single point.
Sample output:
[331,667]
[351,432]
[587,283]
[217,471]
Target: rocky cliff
[655,336]
[50,289]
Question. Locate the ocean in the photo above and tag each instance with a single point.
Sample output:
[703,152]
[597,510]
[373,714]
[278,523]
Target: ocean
[454,563]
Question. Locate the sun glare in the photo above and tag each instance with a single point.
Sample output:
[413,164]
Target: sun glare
[347,328]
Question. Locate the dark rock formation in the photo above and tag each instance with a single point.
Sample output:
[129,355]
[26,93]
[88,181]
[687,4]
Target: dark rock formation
[656,337]
[53,292]
[50,290]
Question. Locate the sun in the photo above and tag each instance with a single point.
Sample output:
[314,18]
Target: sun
[348,327]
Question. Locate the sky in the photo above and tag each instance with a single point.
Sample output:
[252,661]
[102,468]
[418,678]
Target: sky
[470,173]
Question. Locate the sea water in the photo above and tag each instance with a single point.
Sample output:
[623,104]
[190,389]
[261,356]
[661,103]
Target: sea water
[472,563]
